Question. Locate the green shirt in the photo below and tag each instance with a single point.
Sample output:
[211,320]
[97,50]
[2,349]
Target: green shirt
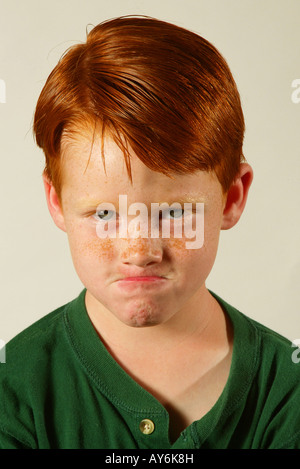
[60,388]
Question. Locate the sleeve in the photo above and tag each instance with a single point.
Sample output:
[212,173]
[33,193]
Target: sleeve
[292,443]
[283,429]
[16,421]
[8,441]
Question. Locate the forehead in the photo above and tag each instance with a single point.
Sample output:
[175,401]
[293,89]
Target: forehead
[84,175]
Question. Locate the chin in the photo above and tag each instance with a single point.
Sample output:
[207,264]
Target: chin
[139,322]
[143,315]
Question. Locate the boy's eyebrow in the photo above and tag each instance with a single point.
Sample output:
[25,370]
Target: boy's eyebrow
[92,203]
[188,199]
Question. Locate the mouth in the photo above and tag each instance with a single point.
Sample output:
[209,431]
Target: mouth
[143,278]
[141,281]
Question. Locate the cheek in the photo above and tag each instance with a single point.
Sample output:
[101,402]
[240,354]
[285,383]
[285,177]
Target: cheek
[194,264]
[93,260]
[177,246]
[99,249]
[87,248]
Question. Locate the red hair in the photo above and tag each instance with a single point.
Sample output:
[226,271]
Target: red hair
[165,91]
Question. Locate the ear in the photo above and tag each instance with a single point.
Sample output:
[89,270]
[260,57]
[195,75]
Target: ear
[237,197]
[54,204]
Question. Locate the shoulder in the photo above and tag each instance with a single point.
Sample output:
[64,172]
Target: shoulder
[44,342]
[270,363]
[31,354]
[275,350]
[278,381]
[24,377]
[249,333]
[34,341]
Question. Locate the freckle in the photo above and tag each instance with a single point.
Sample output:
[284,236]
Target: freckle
[140,247]
[179,245]
[103,249]
[176,243]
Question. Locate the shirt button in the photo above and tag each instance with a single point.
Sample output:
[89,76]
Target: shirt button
[147,426]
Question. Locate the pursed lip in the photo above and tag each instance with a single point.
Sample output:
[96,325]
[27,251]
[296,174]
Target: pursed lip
[141,283]
[142,278]
[139,275]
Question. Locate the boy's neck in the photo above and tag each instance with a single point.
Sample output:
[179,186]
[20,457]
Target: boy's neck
[201,321]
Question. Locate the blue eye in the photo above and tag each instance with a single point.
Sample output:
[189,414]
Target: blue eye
[175,213]
[105,215]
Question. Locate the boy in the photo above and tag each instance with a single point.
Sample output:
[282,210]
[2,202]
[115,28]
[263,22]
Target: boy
[144,114]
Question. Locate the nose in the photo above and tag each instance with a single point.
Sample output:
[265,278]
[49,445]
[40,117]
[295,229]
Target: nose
[142,252]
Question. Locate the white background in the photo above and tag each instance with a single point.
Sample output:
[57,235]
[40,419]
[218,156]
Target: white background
[258,264]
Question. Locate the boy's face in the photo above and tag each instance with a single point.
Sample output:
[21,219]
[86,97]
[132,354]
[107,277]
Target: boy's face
[105,265]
